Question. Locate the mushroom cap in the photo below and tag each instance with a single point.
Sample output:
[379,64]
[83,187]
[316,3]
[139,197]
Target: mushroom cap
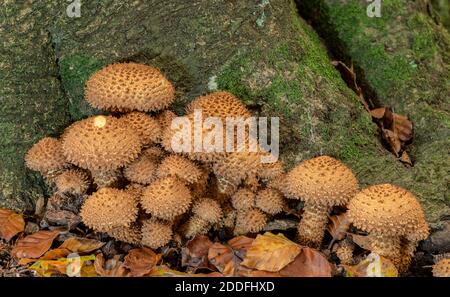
[166,198]
[208,210]
[46,155]
[129,86]
[195,226]
[270,171]
[141,170]
[74,181]
[100,143]
[243,199]
[322,180]
[270,201]
[250,221]
[442,268]
[387,210]
[219,104]
[165,119]
[130,234]
[146,127]
[109,208]
[154,152]
[178,166]
[156,233]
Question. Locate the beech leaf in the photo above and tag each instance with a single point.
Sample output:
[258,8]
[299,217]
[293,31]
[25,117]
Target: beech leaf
[372,266]
[34,245]
[81,245]
[11,223]
[309,263]
[141,261]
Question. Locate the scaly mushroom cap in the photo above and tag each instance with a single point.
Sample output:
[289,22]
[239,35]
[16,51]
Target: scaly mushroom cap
[166,198]
[130,234]
[387,210]
[142,170]
[250,221]
[270,201]
[156,233]
[243,199]
[146,127]
[129,86]
[100,143]
[165,119]
[442,268]
[154,152]
[109,208]
[322,180]
[270,171]
[46,155]
[74,181]
[208,210]
[219,104]
[195,226]
[136,190]
[178,166]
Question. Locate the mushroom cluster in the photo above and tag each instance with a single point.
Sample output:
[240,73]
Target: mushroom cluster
[139,190]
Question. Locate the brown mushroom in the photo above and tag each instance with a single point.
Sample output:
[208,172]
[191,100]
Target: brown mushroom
[129,86]
[156,233]
[46,156]
[142,170]
[146,127]
[442,268]
[243,199]
[250,221]
[270,201]
[72,181]
[322,183]
[178,166]
[392,216]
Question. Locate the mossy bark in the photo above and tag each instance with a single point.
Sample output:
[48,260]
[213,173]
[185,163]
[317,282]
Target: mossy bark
[403,61]
[262,51]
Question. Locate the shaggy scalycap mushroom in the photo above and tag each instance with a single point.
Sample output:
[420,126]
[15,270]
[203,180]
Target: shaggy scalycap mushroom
[131,234]
[129,86]
[109,208]
[270,201]
[322,183]
[208,210]
[166,198]
[219,104]
[243,199]
[442,268]
[142,170]
[46,156]
[146,127]
[390,214]
[250,221]
[178,166]
[100,143]
[195,226]
[72,181]
[156,233]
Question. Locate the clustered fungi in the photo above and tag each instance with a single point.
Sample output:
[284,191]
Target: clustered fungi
[138,190]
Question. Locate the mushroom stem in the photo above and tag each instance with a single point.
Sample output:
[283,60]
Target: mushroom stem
[311,228]
[388,247]
[408,248]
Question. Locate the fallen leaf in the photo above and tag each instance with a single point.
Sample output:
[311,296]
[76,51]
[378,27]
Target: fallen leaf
[62,218]
[281,224]
[34,245]
[81,245]
[309,263]
[338,227]
[372,266]
[111,267]
[240,245]
[141,261]
[361,240]
[195,254]
[55,254]
[11,223]
[271,252]
[74,266]
[223,258]
[164,271]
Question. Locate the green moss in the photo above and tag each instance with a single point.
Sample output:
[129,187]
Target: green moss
[75,71]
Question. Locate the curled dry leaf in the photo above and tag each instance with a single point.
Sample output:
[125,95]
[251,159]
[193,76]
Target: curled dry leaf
[112,267]
[11,223]
[55,254]
[309,263]
[141,261]
[372,266]
[361,240]
[34,245]
[195,254]
[271,252]
[338,227]
[81,245]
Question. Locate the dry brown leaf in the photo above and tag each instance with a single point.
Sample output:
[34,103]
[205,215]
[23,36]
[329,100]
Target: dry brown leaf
[223,258]
[141,261]
[11,223]
[112,267]
[362,241]
[338,226]
[34,245]
[378,113]
[81,245]
[404,158]
[240,245]
[271,252]
[165,271]
[195,254]
[309,263]
[55,254]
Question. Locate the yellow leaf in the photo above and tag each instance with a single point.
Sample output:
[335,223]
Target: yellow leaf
[76,266]
[372,266]
[271,252]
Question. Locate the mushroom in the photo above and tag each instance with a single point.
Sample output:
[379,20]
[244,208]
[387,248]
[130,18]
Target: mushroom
[100,143]
[344,251]
[146,127]
[166,198]
[322,183]
[206,212]
[219,104]
[243,199]
[129,86]
[131,234]
[392,216]
[270,201]
[109,208]
[142,170]
[178,166]
[72,181]
[46,156]
[156,233]
[249,221]
[442,268]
